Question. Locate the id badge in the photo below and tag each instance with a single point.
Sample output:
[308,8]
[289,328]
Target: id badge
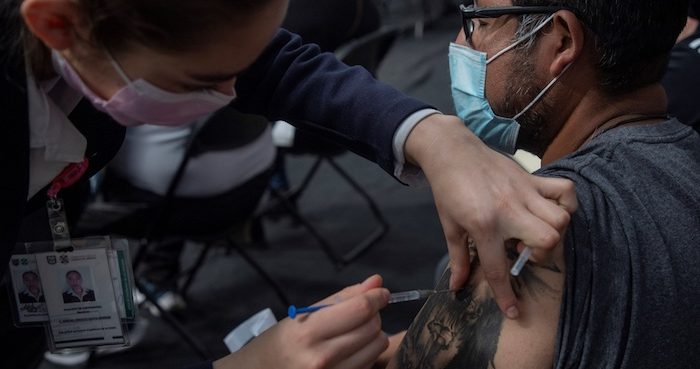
[80,298]
[27,290]
[84,297]
[80,289]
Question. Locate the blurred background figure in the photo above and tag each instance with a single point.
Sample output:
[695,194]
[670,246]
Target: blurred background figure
[682,80]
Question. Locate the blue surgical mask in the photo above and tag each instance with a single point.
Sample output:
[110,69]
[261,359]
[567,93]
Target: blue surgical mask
[468,74]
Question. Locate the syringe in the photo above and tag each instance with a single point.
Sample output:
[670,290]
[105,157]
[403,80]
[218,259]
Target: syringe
[395,297]
[520,262]
[410,295]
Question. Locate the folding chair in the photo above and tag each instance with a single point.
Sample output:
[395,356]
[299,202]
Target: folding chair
[368,52]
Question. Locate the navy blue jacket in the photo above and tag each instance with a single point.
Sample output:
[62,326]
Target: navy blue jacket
[315,91]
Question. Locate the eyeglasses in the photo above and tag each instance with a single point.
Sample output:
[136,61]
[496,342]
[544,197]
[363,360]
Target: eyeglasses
[469,13]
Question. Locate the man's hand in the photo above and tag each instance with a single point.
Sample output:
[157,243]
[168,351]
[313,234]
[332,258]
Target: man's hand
[482,194]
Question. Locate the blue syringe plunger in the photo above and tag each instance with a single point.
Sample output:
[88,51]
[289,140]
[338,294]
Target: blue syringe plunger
[293,311]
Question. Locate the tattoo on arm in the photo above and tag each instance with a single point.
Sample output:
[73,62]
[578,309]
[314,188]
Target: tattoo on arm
[461,330]
[454,330]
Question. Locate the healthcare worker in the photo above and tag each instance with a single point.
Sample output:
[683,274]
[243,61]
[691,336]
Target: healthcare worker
[75,72]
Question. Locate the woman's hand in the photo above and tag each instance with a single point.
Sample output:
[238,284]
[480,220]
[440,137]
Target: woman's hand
[346,335]
[482,194]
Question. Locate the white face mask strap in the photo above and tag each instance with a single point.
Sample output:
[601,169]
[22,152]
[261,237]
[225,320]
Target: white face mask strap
[118,68]
[544,91]
[522,39]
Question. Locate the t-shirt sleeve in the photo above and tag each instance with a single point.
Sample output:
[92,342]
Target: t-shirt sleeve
[596,301]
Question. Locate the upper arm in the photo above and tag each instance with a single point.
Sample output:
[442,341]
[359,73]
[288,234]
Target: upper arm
[467,330]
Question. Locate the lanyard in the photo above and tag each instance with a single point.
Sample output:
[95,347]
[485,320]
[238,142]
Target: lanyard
[68,176]
[58,222]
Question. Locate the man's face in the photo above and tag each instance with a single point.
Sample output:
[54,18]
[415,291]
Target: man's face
[31,281]
[512,79]
[74,281]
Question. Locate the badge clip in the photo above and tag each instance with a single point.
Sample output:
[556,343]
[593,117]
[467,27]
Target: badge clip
[58,222]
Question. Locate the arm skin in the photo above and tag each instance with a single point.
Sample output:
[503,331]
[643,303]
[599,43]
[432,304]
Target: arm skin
[467,330]
[385,357]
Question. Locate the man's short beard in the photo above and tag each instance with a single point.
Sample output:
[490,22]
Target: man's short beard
[521,89]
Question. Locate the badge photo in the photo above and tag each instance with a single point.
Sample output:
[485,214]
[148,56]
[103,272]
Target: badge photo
[27,289]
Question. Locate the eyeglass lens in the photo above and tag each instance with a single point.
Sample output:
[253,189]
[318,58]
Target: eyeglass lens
[468,23]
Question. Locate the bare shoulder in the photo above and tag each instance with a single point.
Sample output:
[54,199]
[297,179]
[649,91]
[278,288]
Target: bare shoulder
[467,330]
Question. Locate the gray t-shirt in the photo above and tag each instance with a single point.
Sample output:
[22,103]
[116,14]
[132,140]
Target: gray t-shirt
[632,296]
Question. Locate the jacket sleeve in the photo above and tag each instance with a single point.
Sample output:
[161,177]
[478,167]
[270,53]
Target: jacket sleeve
[297,83]
[202,365]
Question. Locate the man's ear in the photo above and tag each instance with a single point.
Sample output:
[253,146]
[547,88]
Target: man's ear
[568,36]
[53,21]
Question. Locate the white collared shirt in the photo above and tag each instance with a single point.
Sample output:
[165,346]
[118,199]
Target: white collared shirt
[35,297]
[80,297]
[406,172]
[54,142]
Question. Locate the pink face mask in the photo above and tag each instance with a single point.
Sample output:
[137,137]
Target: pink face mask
[140,102]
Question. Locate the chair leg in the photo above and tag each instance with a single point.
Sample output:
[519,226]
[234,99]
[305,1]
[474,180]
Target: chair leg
[378,233]
[144,246]
[192,271]
[258,268]
[307,178]
[372,204]
[196,346]
[340,261]
[325,245]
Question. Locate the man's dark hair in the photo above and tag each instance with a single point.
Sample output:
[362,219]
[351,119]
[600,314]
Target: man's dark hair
[30,272]
[73,271]
[164,25]
[632,38]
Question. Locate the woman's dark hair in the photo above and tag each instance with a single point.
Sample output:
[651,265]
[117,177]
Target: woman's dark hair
[164,25]
[632,38]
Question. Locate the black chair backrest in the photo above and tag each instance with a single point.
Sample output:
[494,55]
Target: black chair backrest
[369,50]
[228,129]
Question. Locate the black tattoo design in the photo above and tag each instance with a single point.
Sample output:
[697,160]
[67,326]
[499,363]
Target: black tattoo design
[452,331]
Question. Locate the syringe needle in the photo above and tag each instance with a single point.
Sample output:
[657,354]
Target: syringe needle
[395,297]
[520,262]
